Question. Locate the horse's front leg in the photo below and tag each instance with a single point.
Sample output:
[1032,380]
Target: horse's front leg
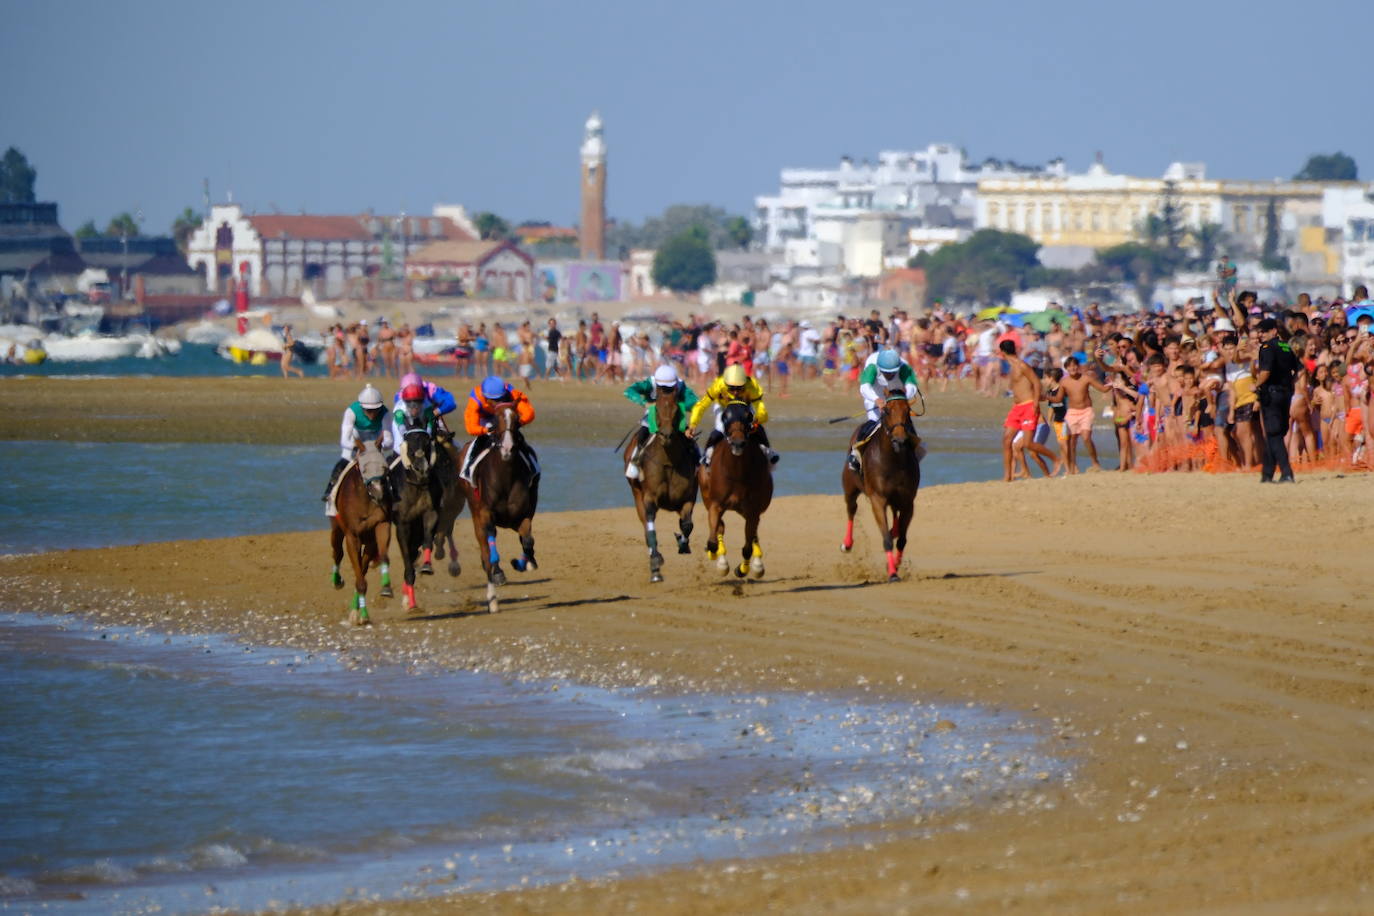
[900,526]
[852,490]
[526,532]
[880,515]
[752,561]
[409,543]
[495,575]
[651,539]
[336,541]
[358,612]
[684,524]
[426,544]
[381,537]
[715,543]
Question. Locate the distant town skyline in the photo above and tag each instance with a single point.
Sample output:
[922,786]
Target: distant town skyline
[350,106]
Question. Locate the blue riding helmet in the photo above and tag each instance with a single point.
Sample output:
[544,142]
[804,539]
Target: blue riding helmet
[889,361]
[493,387]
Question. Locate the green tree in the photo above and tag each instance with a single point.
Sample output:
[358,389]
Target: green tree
[740,232]
[491,226]
[1332,167]
[1136,263]
[87,230]
[122,225]
[988,267]
[1270,259]
[17,178]
[685,263]
[1207,241]
[655,231]
[184,226]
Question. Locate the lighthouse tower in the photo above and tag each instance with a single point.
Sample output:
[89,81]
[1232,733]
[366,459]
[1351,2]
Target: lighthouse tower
[593,230]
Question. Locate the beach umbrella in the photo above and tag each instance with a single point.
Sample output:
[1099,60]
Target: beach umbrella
[993,311]
[1015,319]
[1045,321]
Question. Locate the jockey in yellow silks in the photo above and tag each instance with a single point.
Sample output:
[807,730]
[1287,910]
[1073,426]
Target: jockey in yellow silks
[733,385]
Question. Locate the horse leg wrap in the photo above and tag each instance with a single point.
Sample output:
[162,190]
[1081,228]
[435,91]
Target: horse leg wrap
[428,556]
[492,555]
[848,542]
[651,537]
[334,578]
[409,592]
[891,563]
[757,552]
[386,575]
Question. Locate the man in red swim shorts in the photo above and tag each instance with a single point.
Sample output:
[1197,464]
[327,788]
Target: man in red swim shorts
[1019,428]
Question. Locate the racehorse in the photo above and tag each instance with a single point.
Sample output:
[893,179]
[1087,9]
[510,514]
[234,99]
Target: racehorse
[891,475]
[503,494]
[451,499]
[362,520]
[417,497]
[739,479]
[667,480]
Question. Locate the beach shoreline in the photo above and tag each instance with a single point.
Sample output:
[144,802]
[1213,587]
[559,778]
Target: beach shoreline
[1212,692]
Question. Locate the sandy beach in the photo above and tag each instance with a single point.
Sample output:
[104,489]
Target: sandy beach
[1202,646]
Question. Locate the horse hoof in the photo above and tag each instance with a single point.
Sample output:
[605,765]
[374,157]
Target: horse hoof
[337,581]
[454,569]
[426,569]
[684,547]
[722,564]
[756,567]
[893,577]
[518,564]
[655,577]
[386,591]
[413,610]
[741,571]
[846,546]
[498,577]
[438,550]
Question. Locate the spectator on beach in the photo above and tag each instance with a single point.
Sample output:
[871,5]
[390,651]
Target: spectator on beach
[1018,435]
[1277,367]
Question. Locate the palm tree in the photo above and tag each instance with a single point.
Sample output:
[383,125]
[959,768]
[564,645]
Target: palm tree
[184,226]
[1207,240]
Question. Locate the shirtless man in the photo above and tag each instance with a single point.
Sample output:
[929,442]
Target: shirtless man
[525,359]
[1019,428]
[386,349]
[1078,420]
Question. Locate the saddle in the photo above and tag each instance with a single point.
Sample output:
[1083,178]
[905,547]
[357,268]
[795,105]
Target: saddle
[331,508]
[524,453]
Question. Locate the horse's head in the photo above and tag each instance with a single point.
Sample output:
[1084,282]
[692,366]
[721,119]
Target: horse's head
[417,454]
[505,427]
[371,466]
[737,420]
[897,418]
[667,410]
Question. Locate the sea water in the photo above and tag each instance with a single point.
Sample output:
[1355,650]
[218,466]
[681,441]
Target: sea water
[77,494]
[146,772]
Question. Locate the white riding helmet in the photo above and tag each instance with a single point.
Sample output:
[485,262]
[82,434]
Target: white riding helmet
[370,398]
[665,377]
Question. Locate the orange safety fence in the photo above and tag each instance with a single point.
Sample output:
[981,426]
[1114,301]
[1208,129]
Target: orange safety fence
[1206,456]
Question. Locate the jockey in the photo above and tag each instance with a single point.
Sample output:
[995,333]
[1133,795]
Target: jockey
[365,418]
[437,400]
[883,372]
[734,384]
[664,382]
[480,414]
[413,410]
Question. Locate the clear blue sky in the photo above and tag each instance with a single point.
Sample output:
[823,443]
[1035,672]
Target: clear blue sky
[341,106]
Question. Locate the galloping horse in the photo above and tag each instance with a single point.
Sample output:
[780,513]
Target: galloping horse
[450,505]
[362,519]
[739,479]
[667,480]
[891,476]
[503,494]
[416,507]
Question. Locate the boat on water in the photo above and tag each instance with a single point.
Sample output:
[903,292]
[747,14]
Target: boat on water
[92,347]
[260,346]
[434,351]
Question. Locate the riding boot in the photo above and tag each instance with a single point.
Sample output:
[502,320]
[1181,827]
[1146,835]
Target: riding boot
[479,445]
[766,445]
[854,460]
[333,478]
[711,440]
[634,467]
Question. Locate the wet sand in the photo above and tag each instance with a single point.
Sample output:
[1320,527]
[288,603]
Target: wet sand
[1203,645]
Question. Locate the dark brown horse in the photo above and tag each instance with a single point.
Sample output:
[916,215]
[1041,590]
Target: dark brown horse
[416,504]
[362,521]
[667,480]
[740,480]
[503,494]
[891,475]
[450,505]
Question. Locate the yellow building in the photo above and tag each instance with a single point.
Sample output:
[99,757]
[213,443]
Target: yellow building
[1098,209]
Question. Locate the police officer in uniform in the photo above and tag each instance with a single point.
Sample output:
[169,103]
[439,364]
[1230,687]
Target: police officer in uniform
[1277,366]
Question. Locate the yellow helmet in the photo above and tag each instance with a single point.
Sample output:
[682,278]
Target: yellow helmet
[734,376]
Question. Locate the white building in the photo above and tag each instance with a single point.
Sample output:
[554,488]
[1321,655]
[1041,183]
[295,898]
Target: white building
[1349,211]
[934,187]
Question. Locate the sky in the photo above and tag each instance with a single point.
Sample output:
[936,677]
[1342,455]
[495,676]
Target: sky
[345,106]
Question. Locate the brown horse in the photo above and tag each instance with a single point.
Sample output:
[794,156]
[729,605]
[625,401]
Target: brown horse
[363,522]
[667,480]
[450,505]
[503,494]
[739,479]
[891,475]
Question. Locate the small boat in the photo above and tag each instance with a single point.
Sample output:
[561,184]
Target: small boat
[260,346]
[89,347]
